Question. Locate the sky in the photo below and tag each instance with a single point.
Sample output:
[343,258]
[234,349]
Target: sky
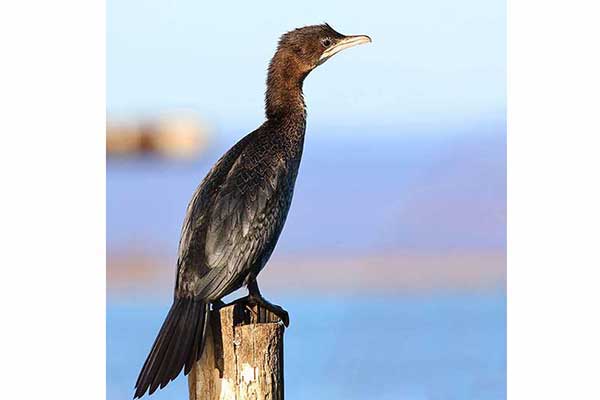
[433,64]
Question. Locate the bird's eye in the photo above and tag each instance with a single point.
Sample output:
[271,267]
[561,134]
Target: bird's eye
[326,42]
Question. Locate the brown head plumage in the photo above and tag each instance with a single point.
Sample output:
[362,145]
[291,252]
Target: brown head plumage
[299,52]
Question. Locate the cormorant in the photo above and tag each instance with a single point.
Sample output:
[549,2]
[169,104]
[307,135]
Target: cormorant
[235,216]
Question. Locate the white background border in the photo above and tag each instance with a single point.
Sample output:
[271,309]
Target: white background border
[52,116]
[553,200]
[52,123]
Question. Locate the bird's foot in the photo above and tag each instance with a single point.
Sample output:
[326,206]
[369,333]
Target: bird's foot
[257,300]
[254,299]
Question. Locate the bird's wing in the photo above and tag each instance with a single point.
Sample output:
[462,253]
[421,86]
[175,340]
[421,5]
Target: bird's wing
[247,216]
[191,261]
[233,218]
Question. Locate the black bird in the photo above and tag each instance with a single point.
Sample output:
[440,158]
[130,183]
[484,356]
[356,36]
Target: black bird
[236,214]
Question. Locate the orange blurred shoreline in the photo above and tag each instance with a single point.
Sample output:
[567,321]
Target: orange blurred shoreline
[385,273]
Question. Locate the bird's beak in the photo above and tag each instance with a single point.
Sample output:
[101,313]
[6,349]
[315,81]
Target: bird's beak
[345,43]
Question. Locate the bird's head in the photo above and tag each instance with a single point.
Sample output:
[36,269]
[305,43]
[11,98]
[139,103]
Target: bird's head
[311,46]
[299,52]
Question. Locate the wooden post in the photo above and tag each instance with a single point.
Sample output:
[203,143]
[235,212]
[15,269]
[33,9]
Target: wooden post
[242,357]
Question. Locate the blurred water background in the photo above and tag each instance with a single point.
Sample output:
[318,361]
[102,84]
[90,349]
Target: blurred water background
[392,261]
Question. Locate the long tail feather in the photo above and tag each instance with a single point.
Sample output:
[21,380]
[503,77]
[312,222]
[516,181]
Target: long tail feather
[179,345]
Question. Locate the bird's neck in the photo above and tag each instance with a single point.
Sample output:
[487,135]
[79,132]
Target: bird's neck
[284,98]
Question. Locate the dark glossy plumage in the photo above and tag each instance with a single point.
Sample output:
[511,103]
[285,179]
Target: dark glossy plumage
[236,215]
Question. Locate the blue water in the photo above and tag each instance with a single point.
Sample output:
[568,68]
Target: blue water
[450,346]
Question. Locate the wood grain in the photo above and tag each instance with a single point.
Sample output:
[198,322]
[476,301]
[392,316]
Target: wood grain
[242,358]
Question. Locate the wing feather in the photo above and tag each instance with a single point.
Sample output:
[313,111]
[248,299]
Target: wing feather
[236,237]
[233,220]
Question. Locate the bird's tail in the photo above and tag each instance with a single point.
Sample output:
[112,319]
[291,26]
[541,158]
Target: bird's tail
[179,343]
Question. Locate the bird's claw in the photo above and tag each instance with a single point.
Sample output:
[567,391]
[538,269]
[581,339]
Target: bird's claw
[275,309]
[253,300]
[283,315]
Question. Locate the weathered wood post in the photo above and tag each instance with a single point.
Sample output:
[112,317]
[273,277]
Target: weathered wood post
[242,358]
